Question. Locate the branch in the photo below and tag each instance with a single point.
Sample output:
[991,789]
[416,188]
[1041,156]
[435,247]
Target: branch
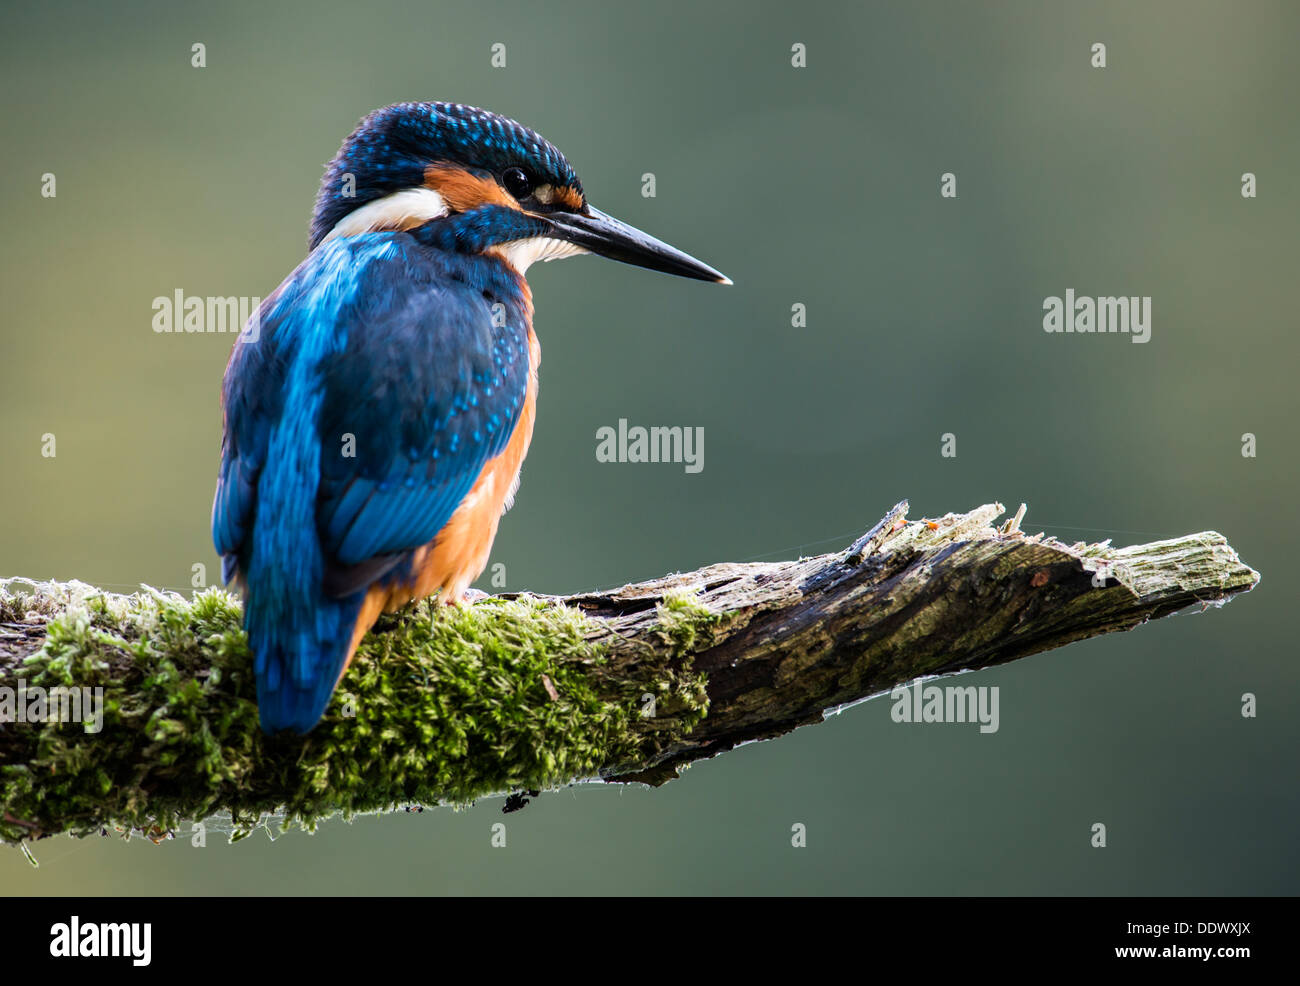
[522,693]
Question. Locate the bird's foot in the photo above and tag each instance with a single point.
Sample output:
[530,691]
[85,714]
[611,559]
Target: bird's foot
[469,597]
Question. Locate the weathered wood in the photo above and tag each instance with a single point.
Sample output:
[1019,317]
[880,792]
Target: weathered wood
[906,601]
[763,647]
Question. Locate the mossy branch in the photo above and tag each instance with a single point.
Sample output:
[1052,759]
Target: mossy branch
[524,693]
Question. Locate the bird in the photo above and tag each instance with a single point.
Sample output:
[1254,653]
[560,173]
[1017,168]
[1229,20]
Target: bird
[376,416]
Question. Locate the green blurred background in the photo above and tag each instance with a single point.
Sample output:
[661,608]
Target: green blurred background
[817,185]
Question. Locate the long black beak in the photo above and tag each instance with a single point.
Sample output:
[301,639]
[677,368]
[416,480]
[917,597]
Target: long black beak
[607,236]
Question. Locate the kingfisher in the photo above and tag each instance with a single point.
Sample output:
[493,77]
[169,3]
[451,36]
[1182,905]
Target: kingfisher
[377,415]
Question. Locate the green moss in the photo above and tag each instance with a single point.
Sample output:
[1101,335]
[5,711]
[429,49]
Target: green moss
[684,622]
[440,705]
[670,698]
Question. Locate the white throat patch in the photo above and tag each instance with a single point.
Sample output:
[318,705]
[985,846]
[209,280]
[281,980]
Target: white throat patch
[522,254]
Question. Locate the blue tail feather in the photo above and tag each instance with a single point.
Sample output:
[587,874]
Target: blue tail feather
[299,657]
[299,635]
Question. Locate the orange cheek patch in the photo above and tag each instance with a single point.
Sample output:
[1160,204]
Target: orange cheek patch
[463,191]
[569,197]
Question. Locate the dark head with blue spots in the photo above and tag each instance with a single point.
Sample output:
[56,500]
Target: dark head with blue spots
[477,182]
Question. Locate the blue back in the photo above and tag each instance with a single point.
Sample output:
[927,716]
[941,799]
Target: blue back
[379,386]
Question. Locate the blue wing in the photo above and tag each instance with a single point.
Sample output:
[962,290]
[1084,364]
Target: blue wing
[384,375]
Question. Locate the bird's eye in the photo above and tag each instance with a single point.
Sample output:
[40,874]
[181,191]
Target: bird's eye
[517,182]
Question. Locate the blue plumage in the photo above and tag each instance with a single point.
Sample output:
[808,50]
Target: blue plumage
[378,387]
[391,371]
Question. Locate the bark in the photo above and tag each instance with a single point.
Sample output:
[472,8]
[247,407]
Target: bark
[905,601]
[770,646]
